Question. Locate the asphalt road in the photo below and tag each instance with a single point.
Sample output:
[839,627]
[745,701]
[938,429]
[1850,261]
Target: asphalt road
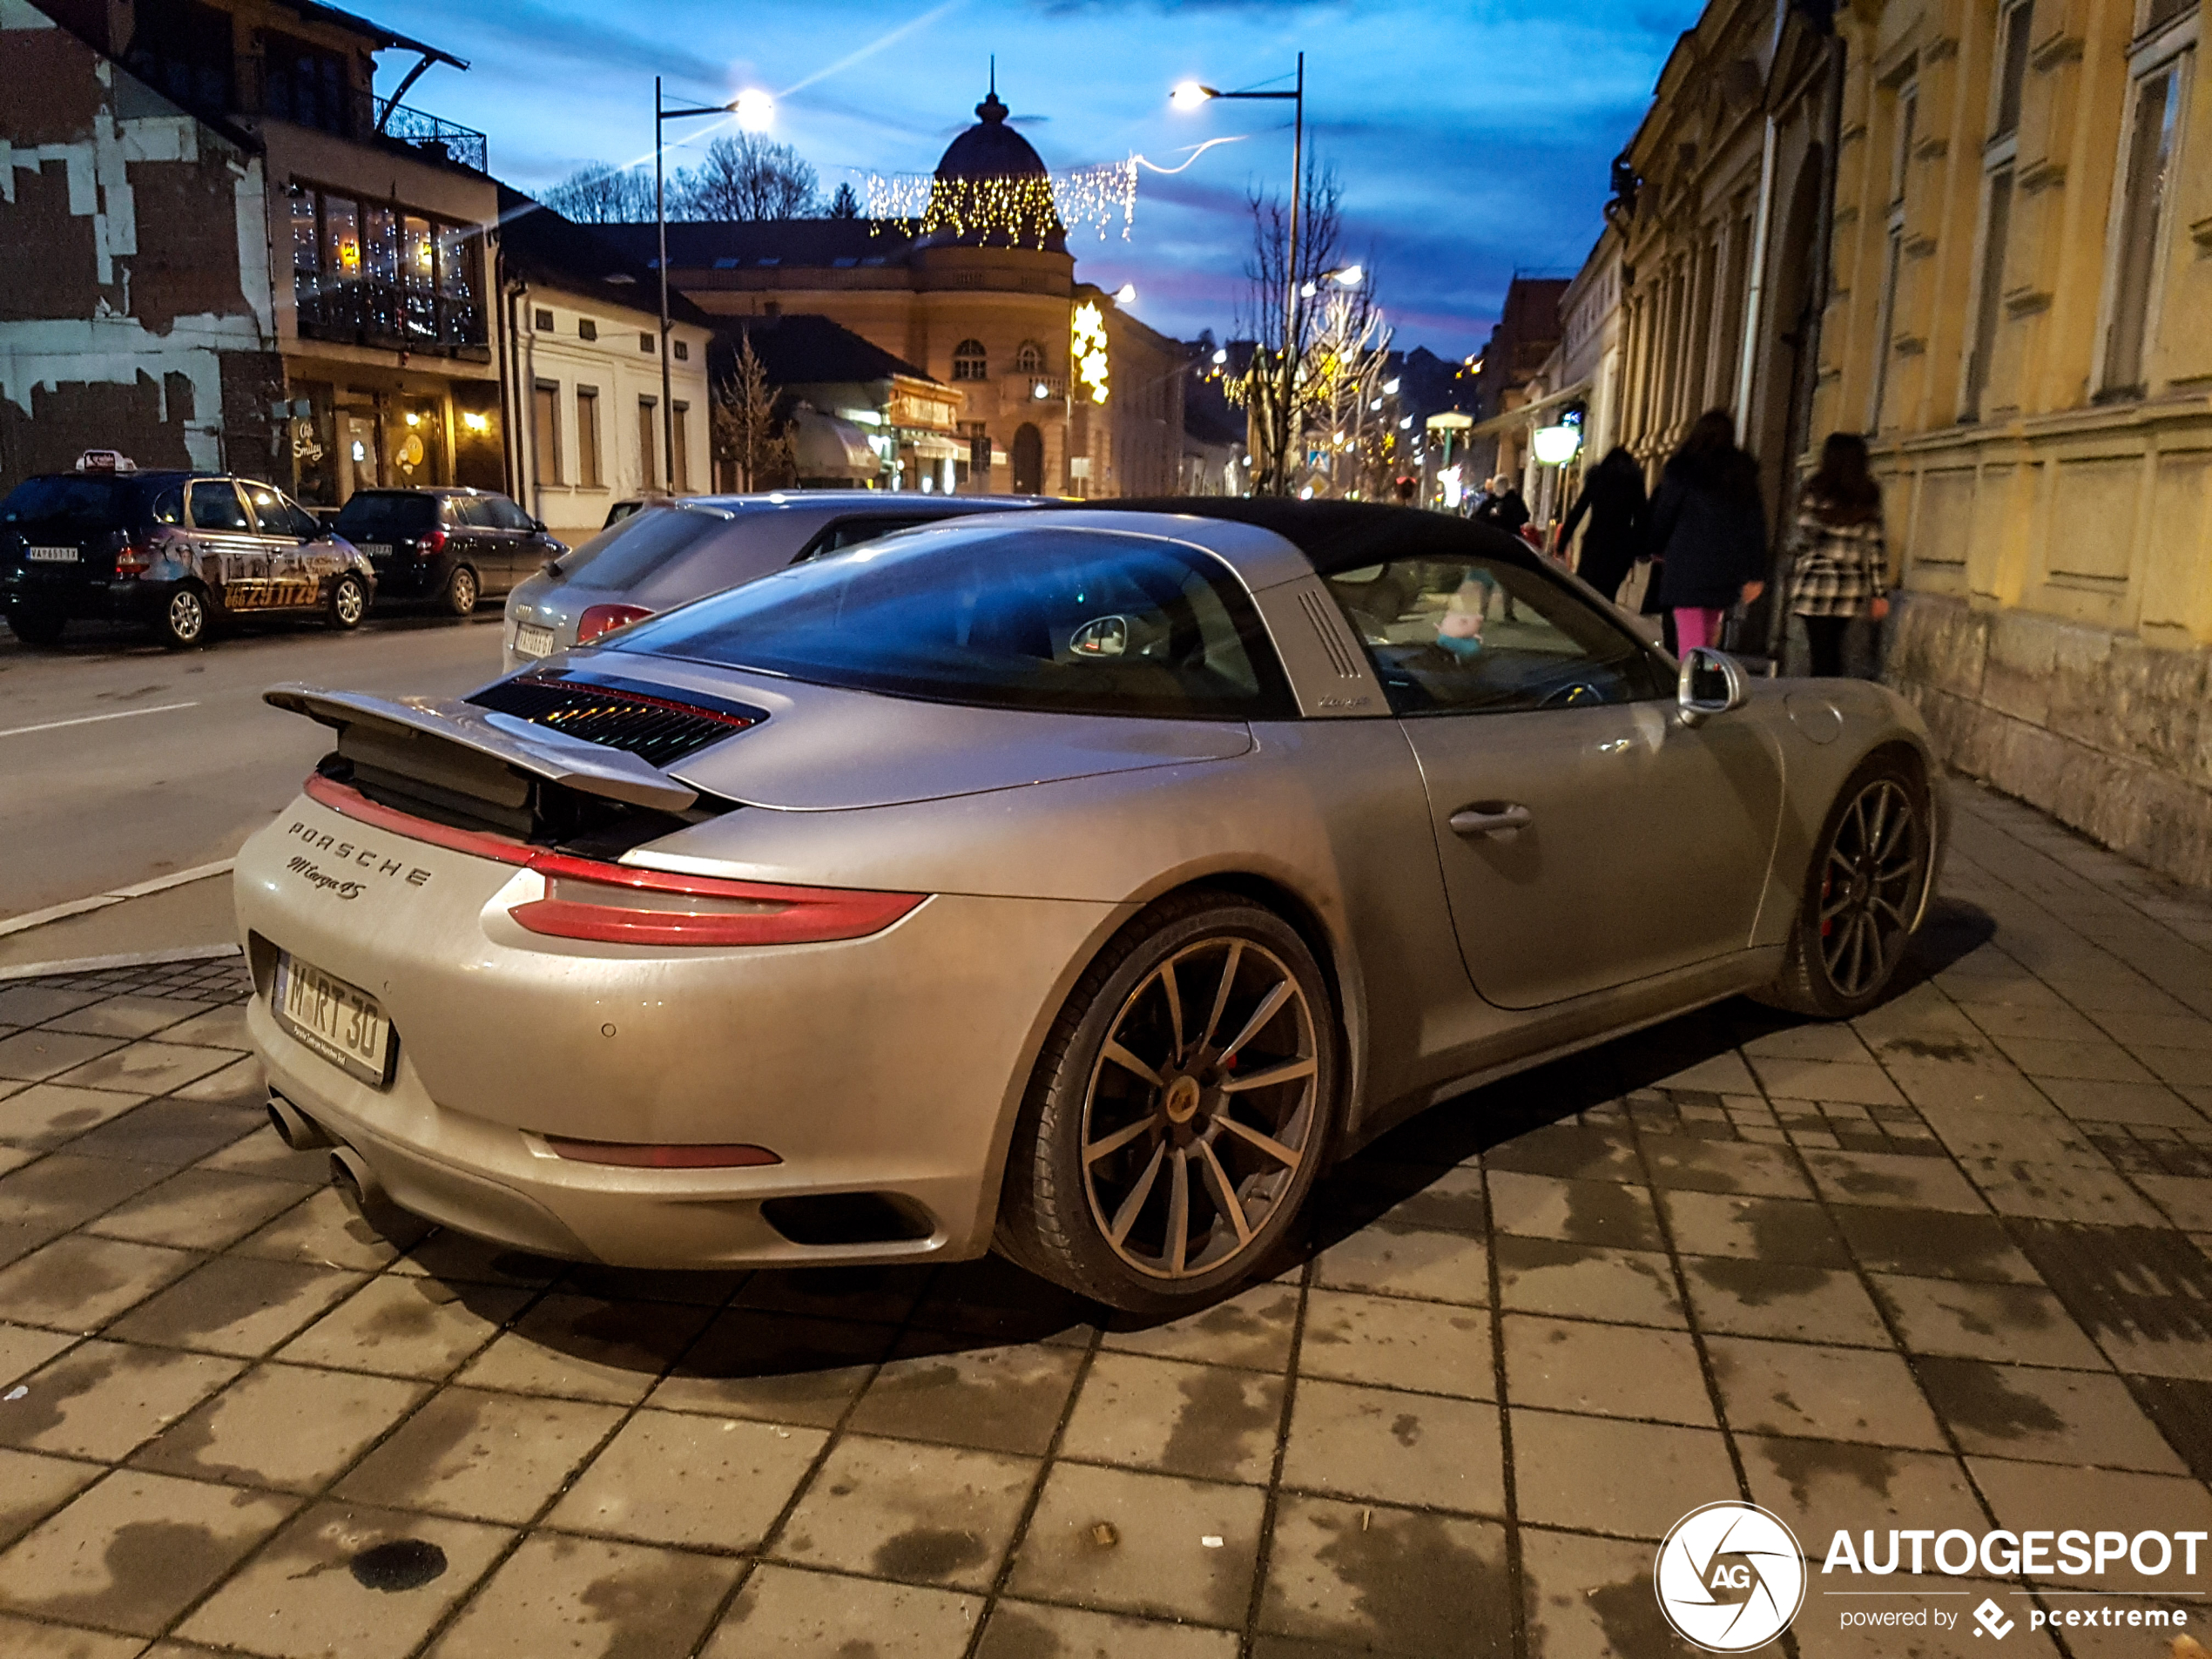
[121,762]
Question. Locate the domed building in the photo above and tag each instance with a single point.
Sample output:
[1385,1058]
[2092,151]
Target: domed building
[979,298]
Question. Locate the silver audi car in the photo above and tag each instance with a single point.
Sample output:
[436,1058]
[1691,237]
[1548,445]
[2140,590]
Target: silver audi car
[1075,883]
[666,552]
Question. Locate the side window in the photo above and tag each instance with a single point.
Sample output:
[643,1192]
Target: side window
[472,510]
[851,532]
[1467,635]
[506,516]
[305,524]
[215,506]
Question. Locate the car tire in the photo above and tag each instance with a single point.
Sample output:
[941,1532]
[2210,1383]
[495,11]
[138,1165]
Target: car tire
[1864,890]
[182,624]
[348,603]
[1204,989]
[463,590]
[33,626]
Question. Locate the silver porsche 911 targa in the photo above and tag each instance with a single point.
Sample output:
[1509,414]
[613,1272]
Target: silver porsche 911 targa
[1076,883]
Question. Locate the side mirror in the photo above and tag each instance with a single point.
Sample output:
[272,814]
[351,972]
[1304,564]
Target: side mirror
[537,526]
[1710,684]
[1104,637]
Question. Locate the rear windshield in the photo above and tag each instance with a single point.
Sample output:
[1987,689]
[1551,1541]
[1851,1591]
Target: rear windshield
[1080,621]
[87,502]
[372,514]
[632,549]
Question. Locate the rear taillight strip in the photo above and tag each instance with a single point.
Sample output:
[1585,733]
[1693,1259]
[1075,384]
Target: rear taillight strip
[801,915]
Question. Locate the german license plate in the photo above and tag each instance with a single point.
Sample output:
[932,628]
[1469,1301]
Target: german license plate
[51,555]
[531,640]
[341,1023]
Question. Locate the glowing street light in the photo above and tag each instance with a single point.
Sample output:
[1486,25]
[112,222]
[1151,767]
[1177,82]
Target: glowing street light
[755,110]
[1189,95]
[1345,276]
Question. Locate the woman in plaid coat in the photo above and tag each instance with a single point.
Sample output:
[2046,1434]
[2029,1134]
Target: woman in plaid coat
[1842,564]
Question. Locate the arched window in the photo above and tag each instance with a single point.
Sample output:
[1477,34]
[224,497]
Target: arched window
[970,361]
[1029,358]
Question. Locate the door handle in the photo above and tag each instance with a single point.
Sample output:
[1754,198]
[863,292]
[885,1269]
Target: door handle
[1489,818]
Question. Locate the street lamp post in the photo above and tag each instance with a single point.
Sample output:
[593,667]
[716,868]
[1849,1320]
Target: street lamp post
[754,109]
[1188,95]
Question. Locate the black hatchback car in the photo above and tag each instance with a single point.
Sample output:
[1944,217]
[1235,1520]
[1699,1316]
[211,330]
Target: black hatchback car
[182,551]
[455,546]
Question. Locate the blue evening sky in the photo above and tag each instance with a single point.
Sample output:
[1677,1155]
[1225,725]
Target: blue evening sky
[1471,137]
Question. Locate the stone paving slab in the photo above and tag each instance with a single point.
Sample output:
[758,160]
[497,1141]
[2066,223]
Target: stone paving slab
[1938,1267]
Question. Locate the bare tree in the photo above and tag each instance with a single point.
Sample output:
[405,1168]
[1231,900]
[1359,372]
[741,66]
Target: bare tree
[744,175]
[744,434]
[845,203]
[1302,322]
[599,194]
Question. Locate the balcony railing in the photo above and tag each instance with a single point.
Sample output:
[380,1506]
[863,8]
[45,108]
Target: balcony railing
[380,314]
[431,134]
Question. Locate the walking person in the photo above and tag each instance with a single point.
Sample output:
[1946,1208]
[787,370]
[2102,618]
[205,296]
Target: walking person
[1613,498]
[1842,560]
[1708,526]
[1501,505]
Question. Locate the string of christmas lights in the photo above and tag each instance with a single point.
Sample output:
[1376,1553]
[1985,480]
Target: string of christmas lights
[1022,210]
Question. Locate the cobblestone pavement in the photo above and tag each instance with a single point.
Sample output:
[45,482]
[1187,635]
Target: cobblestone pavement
[1940,1268]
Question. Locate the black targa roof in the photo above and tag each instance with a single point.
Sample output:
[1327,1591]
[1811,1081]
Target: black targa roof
[1341,535]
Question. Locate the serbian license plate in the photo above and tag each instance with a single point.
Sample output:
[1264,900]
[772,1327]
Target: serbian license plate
[341,1023]
[376,549]
[50,554]
[530,640]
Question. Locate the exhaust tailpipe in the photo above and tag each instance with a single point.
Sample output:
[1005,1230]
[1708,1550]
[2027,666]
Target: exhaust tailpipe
[351,1174]
[297,1131]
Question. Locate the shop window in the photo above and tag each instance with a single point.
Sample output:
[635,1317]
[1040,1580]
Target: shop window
[970,362]
[370,274]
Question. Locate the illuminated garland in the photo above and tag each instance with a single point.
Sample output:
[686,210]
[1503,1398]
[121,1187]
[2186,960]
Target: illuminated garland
[1087,349]
[1022,210]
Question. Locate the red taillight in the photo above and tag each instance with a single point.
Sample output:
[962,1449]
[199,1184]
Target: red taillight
[632,1155]
[604,619]
[133,558]
[623,905]
[617,904]
[434,542]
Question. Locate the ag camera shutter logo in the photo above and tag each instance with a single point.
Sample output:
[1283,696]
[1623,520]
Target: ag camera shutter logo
[1729,1577]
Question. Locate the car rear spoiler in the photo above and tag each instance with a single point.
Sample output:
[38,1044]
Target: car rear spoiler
[588,768]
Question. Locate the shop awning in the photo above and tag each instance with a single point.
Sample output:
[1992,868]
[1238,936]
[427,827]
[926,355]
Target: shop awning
[825,447]
[1531,414]
[930,447]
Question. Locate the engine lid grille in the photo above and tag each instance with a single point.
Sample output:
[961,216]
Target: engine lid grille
[656,729]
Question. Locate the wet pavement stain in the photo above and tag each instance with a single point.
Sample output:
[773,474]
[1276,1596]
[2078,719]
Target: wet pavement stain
[1757,1283]
[1416,1586]
[1802,1462]
[153,1567]
[1934,1047]
[39,1410]
[1605,1212]
[1930,1244]
[1214,1423]
[1634,1627]
[397,1564]
[929,1552]
[1972,1394]
[652,1612]
[1013,1633]
[2128,1281]
[1786,1230]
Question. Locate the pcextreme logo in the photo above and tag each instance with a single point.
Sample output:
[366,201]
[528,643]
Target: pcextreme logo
[1729,1577]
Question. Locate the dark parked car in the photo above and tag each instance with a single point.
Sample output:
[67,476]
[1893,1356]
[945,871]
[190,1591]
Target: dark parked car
[182,551]
[455,546]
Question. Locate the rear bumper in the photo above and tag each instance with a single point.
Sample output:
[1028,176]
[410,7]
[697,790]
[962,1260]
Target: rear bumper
[411,578]
[88,600]
[890,1066]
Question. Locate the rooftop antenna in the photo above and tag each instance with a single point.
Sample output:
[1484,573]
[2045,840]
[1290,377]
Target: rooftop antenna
[995,74]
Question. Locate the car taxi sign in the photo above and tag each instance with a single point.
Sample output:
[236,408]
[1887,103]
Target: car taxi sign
[105,460]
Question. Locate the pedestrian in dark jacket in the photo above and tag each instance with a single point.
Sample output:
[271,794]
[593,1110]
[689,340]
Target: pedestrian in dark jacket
[1842,562]
[1613,499]
[1708,525]
[1501,505]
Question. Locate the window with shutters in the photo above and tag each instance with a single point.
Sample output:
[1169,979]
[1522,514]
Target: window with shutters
[2161,65]
[587,438]
[545,430]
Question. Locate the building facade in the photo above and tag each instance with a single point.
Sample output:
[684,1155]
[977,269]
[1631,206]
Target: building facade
[2022,319]
[580,333]
[222,251]
[1073,396]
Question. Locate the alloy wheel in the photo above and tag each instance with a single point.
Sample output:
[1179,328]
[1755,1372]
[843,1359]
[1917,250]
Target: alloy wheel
[348,603]
[1201,1107]
[187,617]
[1869,887]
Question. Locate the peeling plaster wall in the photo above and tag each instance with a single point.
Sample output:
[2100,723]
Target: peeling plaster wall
[136,247]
